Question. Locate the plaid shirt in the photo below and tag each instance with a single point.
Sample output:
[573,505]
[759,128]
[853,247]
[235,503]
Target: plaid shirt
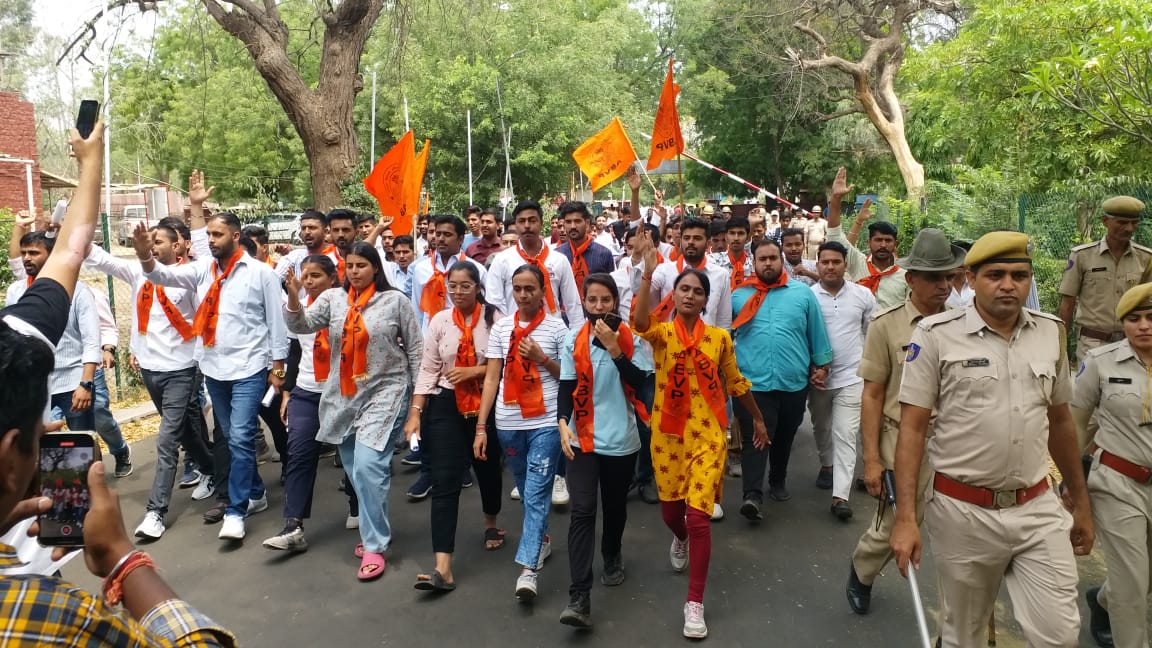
[40,611]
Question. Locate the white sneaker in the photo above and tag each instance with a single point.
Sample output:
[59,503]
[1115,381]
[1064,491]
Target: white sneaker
[526,586]
[545,551]
[717,511]
[205,489]
[233,528]
[694,627]
[152,527]
[352,522]
[559,491]
[515,493]
[288,540]
[258,505]
[678,554]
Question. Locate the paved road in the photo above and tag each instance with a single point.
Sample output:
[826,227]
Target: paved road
[778,583]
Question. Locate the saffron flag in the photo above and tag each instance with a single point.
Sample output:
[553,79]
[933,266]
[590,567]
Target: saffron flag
[413,180]
[606,155]
[667,141]
[386,182]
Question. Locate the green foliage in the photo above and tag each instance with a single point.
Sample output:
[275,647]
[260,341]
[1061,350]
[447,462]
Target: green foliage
[7,219]
[16,34]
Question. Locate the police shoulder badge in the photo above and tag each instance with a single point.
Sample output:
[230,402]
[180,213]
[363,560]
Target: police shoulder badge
[913,351]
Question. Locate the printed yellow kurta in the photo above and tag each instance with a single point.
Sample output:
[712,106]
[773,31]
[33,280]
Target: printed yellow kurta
[692,468]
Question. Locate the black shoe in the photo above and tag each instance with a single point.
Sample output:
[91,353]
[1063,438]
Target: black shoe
[216,513]
[824,479]
[613,571]
[123,462]
[421,489]
[1100,624]
[648,494]
[841,510]
[579,611]
[859,594]
[751,509]
[779,493]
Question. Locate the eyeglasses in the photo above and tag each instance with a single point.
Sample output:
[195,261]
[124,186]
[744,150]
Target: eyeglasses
[461,288]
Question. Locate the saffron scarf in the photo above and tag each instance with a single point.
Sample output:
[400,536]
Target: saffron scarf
[434,296]
[538,261]
[208,315]
[321,353]
[144,299]
[579,265]
[753,304]
[583,409]
[467,391]
[663,310]
[521,376]
[737,278]
[354,342]
[334,252]
[872,281]
[676,407]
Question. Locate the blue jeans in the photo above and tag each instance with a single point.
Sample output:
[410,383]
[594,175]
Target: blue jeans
[106,425]
[371,473]
[532,458]
[236,404]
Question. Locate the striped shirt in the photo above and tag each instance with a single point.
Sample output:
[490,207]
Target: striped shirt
[80,343]
[550,336]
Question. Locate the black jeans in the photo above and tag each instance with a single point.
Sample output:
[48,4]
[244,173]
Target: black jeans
[446,446]
[176,396]
[303,453]
[644,471]
[783,413]
[587,473]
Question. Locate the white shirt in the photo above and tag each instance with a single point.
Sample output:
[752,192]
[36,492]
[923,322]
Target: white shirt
[109,336]
[846,316]
[718,310]
[162,349]
[606,239]
[306,378]
[295,258]
[422,271]
[250,333]
[550,336]
[498,284]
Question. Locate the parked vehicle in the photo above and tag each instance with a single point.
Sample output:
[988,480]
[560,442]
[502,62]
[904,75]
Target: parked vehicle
[283,227]
[129,219]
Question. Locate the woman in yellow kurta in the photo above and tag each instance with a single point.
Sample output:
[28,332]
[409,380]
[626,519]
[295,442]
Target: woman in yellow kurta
[695,373]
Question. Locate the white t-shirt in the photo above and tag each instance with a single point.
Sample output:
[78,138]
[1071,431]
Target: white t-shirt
[550,336]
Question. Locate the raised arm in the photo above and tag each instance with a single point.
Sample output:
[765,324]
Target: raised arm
[642,311]
[185,276]
[99,259]
[314,318]
[22,225]
[75,235]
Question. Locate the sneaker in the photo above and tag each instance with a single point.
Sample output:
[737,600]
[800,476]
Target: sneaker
[233,528]
[327,450]
[526,586]
[717,512]
[824,479]
[352,522]
[420,489]
[751,509]
[841,510]
[216,513]
[735,467]
[152,527]
[191,476]
[560,491]
[648,493]
[412,459]
[205,489]
[779,493]
[290,539]
[123,462]
[514,493]
[263,451]
[694,627]
[613,571]
[579,611]
[467,481]
[678,554]
[258,505]
[545,551]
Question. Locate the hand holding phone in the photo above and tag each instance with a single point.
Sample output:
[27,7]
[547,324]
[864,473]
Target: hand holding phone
[65,459]
[86,117]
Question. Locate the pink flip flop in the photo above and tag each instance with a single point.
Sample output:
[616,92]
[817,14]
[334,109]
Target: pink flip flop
[371,566]
[359,551]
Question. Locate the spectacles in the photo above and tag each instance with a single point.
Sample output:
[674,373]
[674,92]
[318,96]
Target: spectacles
[460,288]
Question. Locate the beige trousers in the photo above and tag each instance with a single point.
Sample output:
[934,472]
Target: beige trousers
[1027,547]
[1122,509]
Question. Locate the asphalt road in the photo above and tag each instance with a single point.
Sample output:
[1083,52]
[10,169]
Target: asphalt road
[776,583]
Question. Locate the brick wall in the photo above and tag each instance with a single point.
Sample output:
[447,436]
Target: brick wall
[18,140]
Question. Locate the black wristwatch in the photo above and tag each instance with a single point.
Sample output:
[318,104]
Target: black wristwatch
[87,384]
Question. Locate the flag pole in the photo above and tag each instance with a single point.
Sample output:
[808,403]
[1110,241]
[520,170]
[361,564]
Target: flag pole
[680,177]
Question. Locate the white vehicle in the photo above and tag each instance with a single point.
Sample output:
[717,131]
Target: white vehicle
[129,219]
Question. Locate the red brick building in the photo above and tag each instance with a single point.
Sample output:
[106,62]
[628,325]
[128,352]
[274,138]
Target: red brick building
[18,142]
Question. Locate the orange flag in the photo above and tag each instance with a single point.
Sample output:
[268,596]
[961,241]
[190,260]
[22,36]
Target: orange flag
[667,141]
[606,155]
[413,180]
[386,181]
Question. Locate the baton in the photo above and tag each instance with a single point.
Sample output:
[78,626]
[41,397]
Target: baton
[889,480]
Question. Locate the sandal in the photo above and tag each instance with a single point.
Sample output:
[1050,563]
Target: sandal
[359,550]
[492,534]
[371,566]
[433,582]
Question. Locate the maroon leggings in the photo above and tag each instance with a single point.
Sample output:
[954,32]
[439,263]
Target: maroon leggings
[696,525]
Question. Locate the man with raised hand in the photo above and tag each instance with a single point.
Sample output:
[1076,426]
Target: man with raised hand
[878,270]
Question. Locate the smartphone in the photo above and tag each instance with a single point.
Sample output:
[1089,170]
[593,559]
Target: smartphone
[612,320]
[65,458]
[86,118]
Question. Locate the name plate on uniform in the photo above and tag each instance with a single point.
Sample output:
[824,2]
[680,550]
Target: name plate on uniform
[1120,381]
[1098,270]
[976,362]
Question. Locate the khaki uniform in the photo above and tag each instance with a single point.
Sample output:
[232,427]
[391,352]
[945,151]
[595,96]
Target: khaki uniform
[1115,383]
[1097,280]
[992,397]
[814,233]
[885,348]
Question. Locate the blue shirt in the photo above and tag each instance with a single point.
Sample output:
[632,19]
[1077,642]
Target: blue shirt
[785,338]
[598,258]
[613,435]
[469,240]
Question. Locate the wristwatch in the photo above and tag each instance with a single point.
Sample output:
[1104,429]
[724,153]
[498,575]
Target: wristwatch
[110,349]
[279,373]
[87,384]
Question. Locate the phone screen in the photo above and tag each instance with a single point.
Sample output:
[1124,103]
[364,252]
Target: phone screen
[86,118]
[64,463]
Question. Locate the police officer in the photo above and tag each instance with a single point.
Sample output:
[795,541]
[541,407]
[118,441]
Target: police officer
[931,266]
[1114,382]
[997,376]
[1098,273]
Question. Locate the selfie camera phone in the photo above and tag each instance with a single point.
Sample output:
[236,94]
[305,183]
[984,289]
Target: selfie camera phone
[65,458]
[86,118]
